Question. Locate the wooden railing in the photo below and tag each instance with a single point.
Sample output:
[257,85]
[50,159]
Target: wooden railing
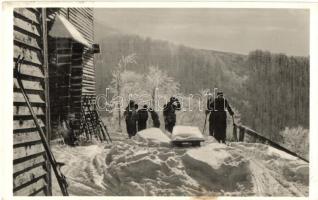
[240,131]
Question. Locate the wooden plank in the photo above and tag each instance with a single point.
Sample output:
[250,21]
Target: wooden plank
[46,94]
[77,15]
[27,14]
[28,176]
[28,164]
[33,29]
[25,124]
[87,85]
[21,138]
[28,85]
[24,110]
[22,152]
[35,10]
[34,98]
[31,188]
[90,68]
[29,54]
[77,67]
[26,39]
[64,59]
[88,63]
[63,12]
[66,51]
[88,79]
[89,73]
[40,192]
[31,70]
[87,34]
[85,11]
[82,20]
[88,92]
[90,87]
[82,23]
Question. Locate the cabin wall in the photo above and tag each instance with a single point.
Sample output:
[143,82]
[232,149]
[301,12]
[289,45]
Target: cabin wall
[82,66]
[82,19]
[65,68]
[31,174]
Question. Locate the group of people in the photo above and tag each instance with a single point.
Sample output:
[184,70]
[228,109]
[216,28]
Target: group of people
[136,120]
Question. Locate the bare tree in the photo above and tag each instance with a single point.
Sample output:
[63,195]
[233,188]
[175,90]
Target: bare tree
[117,79]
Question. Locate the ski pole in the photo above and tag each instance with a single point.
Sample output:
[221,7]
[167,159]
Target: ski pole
[233,120]
[206,116]
[55,165]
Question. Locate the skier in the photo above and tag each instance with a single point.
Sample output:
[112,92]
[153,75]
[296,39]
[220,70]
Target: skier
[142,118]
[155,118]
[169,113]
[130,115]
[217,118]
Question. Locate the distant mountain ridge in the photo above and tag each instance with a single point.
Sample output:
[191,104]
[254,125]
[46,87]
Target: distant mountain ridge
[194,69]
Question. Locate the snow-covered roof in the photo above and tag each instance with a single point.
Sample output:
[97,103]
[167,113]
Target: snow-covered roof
[64,29]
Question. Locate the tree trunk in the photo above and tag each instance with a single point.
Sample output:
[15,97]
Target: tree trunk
[118,104]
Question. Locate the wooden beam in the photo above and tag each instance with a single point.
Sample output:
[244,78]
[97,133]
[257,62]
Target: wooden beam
[47,94]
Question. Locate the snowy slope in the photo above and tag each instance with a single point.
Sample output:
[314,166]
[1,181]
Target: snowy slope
[147,165]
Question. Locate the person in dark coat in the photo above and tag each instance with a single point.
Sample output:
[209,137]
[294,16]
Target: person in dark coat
[142,118]
[169,113]
[217,109]
[131,117]
[210,100]
[155,118]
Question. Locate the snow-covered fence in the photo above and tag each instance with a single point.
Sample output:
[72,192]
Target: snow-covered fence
[240,131]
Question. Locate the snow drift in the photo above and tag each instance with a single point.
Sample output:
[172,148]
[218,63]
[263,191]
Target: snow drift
[217,167]
[148,165]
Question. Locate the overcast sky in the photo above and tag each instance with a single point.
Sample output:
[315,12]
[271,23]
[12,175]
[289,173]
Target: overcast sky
[231,30]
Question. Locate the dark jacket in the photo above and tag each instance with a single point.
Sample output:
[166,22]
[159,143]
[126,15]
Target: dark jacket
[142,115]
[155,119]
[131,118]
[219,104]
[217,107]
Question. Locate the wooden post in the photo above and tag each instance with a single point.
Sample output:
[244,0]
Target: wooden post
[235,132]
[241,134]
[47,96]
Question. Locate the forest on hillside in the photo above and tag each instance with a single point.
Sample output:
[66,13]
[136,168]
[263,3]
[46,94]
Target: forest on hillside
[269,91]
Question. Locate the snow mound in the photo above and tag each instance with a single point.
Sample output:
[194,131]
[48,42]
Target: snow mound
[186,133]
[147,171]
[153,136]
[217,167]
[280,169]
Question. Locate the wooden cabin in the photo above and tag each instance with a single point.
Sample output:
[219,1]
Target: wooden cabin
[58,75]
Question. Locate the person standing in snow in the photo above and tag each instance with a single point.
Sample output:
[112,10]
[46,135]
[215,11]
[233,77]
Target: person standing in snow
[209,101]
[217,110]
[142,118]
[169,113]
[131,117]
[155,118]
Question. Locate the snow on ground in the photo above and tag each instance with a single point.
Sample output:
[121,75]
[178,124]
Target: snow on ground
[149,165]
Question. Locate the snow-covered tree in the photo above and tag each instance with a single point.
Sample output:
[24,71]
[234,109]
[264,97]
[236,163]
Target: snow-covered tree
[158,81]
